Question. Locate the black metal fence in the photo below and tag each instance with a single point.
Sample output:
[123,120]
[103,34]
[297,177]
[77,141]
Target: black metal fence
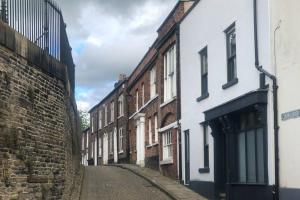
[41,22]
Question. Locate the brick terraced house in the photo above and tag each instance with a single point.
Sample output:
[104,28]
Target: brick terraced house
[108,121]
[84,147]
[154,106]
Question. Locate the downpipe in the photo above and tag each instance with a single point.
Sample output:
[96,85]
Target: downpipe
[275,189]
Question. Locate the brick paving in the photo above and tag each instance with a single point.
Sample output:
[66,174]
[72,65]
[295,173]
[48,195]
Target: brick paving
[112,183]
[173,188]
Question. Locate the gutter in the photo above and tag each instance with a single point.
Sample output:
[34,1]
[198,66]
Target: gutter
[275,103]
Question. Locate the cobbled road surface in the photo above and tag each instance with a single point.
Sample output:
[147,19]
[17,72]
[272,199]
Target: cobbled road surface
[113,183]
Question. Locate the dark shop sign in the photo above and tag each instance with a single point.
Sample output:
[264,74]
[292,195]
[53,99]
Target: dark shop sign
[290,115]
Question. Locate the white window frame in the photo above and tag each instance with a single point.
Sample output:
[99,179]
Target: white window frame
[92,149]
[156,128]
[137,100]
[100,146]
[143,94]
[121,105]
[112,111]
[100,119]
[170,74]
[152,82]
[111,142]
[92,122]
[167,145]
[105,115]
[150,131]
[121,138]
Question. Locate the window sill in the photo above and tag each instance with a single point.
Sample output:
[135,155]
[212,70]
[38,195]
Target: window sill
[204,170]
[203,96]
[149,146]
[120,116]
[166,162]
[155,144]
[121,152]
[168,102]
[230,83]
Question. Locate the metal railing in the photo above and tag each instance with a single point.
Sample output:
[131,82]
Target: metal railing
[41,22]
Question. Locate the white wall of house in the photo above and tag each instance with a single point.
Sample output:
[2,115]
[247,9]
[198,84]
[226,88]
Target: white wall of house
[286,58]
[205,26]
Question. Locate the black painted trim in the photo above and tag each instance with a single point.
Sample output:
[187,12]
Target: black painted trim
[204,170]
[204,96]
[289,193]
[230,83]
[246,100]
[204,188]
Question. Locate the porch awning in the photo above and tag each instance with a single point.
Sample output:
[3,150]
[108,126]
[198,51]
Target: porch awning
[244,101]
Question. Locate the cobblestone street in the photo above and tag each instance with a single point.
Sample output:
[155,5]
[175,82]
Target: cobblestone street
[112,183]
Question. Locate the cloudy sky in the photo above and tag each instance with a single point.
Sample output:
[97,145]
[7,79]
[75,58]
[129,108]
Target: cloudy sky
[109,37]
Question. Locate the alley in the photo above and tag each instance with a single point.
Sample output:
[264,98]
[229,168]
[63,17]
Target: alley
[111,183]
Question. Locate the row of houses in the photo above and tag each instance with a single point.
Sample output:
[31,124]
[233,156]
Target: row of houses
[213,103]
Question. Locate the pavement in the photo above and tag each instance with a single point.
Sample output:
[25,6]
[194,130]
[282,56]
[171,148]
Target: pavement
[114,183]
[172,188]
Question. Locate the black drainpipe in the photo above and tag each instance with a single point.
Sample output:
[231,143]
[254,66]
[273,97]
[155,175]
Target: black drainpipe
[275,103]
[179,102]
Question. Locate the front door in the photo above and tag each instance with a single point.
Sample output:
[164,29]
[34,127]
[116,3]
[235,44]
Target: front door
[187,156]
[105,149]
[95,153]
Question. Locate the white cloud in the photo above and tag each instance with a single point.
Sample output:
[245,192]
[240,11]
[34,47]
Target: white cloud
[109,37]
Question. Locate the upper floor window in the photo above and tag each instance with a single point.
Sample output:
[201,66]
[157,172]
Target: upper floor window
[231,53]
[204,72]
[137,100]
[121,105]
[92,124]
[143,94]
[105,115]
[152,82]
[170,74]
[112,111]
[100,119]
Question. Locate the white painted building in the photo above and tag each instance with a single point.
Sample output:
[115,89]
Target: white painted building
[228,136]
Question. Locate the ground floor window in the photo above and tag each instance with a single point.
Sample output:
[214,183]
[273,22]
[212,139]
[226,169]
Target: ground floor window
[121,139]
[167,145]
[100,146]
[111,142]
[250,149]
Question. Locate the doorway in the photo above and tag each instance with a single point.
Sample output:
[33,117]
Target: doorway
[105,149]
[187,156]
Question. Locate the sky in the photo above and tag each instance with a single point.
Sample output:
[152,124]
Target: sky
[108,38]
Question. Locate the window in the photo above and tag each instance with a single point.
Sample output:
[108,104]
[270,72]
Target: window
[111,142]
[100,119]
[92,150]
[121,105]
[100,146]
[150,131]
[92,121]
[143,94]
[167,145]
[152,82]
[121,139]
[206,146]
[170,74]
[156,128]
[204,72]
[112,111]
[137,100]
[250,150]
[105,115]
[231,53]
